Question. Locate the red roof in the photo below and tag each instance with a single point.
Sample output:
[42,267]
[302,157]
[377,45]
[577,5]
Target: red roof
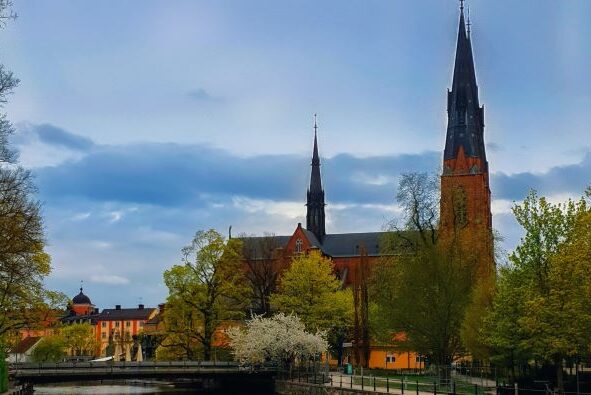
[26,344]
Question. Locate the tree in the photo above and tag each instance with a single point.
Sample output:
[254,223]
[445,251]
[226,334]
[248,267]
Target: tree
[207,289]
[361,330]
[49,349]
[420,288]
[502,331]
[418,195]
[23,261]
[310,290]
[280,339]
[263,269]
[423,295]
[79,339]
[548,281]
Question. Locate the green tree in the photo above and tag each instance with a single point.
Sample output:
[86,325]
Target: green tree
[423,295]
[310,290]
[23,261]
[545,286]
[207,289]
[420,288]
[79,339]
[3,371]
[502,331]
[49,349]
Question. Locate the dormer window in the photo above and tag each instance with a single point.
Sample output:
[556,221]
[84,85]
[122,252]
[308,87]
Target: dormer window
[299,246]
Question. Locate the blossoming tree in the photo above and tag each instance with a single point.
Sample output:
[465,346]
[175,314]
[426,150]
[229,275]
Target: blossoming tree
[280,339]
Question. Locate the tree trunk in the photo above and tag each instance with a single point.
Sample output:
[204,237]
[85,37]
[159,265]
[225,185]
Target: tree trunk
[559,374]
[207,350]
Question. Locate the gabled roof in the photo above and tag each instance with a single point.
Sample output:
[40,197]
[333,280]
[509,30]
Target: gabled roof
[334,245]
[256,248]
[312,238]
[26,344]
[125,314]
[350,244]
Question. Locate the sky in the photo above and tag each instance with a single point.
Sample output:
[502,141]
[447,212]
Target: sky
[145,121]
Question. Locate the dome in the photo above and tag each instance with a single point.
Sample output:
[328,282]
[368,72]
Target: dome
[81,298]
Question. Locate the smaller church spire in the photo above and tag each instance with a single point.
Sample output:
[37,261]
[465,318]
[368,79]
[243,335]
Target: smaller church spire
[315,156]
[315,217]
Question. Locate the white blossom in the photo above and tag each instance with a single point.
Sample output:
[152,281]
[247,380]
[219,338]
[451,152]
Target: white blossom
[281,339]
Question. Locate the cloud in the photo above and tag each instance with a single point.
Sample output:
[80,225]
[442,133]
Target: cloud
[52,135]
[494,147]
[173,174]
[127,210]
[569,179]
[201,95]
[48,145]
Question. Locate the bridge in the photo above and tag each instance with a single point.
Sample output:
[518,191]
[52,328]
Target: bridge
[37,373]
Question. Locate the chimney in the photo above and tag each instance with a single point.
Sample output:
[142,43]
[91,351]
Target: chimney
[140,306]
[117,307]
[161,307]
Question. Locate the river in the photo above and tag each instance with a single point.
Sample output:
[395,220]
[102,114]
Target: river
[139,388]
[84,389]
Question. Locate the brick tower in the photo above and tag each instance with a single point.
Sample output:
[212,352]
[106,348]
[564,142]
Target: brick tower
[466,217]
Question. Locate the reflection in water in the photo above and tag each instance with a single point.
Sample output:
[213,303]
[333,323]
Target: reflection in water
[233,387]
[80,389]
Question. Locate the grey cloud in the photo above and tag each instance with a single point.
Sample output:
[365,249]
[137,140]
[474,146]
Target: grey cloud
[201,94]
[560,179]
[48,134]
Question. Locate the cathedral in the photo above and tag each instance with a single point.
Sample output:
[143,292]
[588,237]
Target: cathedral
[465,202]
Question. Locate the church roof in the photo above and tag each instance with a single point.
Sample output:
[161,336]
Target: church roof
[334,245]
[81,298]
[350,244]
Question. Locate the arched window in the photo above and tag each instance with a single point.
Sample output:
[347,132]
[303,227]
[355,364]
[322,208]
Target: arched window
[459,207]
[299,246]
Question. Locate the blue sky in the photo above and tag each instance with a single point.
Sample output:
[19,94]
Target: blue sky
[146,121]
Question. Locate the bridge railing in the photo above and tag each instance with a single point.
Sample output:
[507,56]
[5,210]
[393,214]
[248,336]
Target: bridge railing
[146,365]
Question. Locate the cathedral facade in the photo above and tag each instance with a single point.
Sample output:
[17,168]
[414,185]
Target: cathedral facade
[465,203]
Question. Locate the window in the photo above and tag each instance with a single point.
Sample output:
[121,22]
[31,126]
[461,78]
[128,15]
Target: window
[298,247]
[141,323]
[117,324]
[390,358]
[104,324]
[459,207]
[127,324]
[104,335]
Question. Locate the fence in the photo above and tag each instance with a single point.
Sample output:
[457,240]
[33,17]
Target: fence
[453,382]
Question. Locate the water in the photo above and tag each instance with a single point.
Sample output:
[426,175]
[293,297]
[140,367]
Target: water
[80,388]
[85,389]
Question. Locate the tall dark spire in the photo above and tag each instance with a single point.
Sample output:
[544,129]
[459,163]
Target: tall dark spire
[315,197]
[465,127]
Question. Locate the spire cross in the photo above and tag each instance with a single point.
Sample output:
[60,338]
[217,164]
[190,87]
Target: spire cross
[315,125]
[81,285]
[462,5]
[468,23]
